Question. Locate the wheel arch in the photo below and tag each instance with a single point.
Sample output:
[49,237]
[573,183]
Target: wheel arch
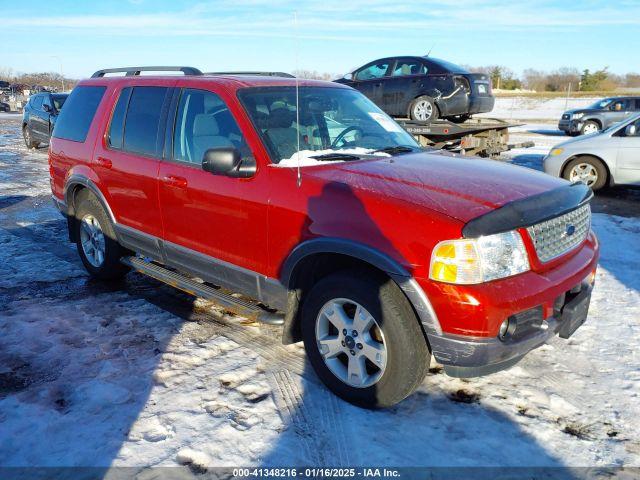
[314,259]
[594,120]
[563,169]
[74,185]
[432,94]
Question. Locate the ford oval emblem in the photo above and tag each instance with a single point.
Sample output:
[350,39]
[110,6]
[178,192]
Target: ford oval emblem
[571,229]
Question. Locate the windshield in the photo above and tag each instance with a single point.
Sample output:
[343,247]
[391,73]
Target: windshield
[600,104]
[58,101]
[335,124]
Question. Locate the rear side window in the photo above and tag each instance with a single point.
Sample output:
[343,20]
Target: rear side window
[78,112]
[37,102]
[409,67]
[116,128]
[143,120]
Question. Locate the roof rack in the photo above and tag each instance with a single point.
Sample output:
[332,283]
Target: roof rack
[261,74]
[131,71]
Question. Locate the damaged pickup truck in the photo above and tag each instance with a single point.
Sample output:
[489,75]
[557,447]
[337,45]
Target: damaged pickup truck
[423,88]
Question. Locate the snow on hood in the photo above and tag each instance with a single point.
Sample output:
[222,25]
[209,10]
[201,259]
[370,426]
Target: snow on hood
[303,158]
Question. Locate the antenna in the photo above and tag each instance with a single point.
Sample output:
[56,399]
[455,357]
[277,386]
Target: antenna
[295,22]
[432,46]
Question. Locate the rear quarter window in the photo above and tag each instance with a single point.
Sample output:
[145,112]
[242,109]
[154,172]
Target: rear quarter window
[78,112]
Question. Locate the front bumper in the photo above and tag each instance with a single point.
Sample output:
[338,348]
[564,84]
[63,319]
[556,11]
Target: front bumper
[570,126]
[463,356]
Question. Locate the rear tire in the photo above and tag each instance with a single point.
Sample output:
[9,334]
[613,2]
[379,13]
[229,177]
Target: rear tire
[28,138]
[588,170]
[423,109]
[392,353]
[96,241]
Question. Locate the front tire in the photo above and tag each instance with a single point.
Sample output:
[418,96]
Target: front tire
[96,241]
[363,338]
[588,170]
[590,127]
[28,138]
[423,109]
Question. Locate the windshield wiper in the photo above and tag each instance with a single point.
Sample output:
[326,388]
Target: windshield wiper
[395,149]
[327,157]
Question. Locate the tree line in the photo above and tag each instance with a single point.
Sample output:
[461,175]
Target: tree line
[559,80]
[46,79]
[538,80]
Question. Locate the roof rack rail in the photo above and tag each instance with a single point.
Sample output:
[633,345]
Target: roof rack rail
[257,73]
[131,71]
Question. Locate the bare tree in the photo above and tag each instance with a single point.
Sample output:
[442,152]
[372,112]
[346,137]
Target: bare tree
[315,75]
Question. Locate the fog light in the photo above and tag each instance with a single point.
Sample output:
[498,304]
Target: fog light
[504,330]
[592,277]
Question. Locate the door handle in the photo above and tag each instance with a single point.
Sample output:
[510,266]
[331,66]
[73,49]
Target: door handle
[173,181]
[104,162]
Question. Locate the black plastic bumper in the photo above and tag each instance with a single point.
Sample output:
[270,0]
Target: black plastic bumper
[465,357]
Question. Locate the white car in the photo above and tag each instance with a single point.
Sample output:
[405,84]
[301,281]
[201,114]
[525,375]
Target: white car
[610,157]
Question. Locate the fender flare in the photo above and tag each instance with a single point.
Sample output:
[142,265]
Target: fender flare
[77,179]
[414,293]
[594,119]
[69,187]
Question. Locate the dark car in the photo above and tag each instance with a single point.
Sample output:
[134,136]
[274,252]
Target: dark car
[423,88]
[39,117]
[4,107]
[599,116]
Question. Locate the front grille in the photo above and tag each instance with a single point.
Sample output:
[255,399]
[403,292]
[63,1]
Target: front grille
[561,234]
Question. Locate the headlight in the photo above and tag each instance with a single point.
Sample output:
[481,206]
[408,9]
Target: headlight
[478,260]
[577,116]
[556,151]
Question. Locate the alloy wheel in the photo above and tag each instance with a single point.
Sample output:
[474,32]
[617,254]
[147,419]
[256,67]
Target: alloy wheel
[92,240]
[423,110]
[585,173]
[590,128]
[351,343]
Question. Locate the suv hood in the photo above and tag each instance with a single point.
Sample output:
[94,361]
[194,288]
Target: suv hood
[582,110]
[460,187]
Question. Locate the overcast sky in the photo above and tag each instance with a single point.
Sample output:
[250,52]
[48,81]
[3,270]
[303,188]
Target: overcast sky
[333,35]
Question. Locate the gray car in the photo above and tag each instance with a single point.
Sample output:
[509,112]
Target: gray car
[609,157]
[599,116]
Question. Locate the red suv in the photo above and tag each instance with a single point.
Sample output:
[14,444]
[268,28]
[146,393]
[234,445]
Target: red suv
[328,218]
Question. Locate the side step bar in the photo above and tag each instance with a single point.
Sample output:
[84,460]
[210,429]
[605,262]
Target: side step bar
[238,306]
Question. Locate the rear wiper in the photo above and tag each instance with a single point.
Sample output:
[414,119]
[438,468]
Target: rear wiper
[328,157]
[394,149]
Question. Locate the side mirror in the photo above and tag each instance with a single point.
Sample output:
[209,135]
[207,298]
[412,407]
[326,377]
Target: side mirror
[226,161]
[630,130]
[46,108]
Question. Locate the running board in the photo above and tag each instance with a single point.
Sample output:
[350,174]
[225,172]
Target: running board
[238,306]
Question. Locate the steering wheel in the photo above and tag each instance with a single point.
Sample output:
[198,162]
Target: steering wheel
[343,133]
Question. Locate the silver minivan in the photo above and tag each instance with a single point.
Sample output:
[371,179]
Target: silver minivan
[610,157]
